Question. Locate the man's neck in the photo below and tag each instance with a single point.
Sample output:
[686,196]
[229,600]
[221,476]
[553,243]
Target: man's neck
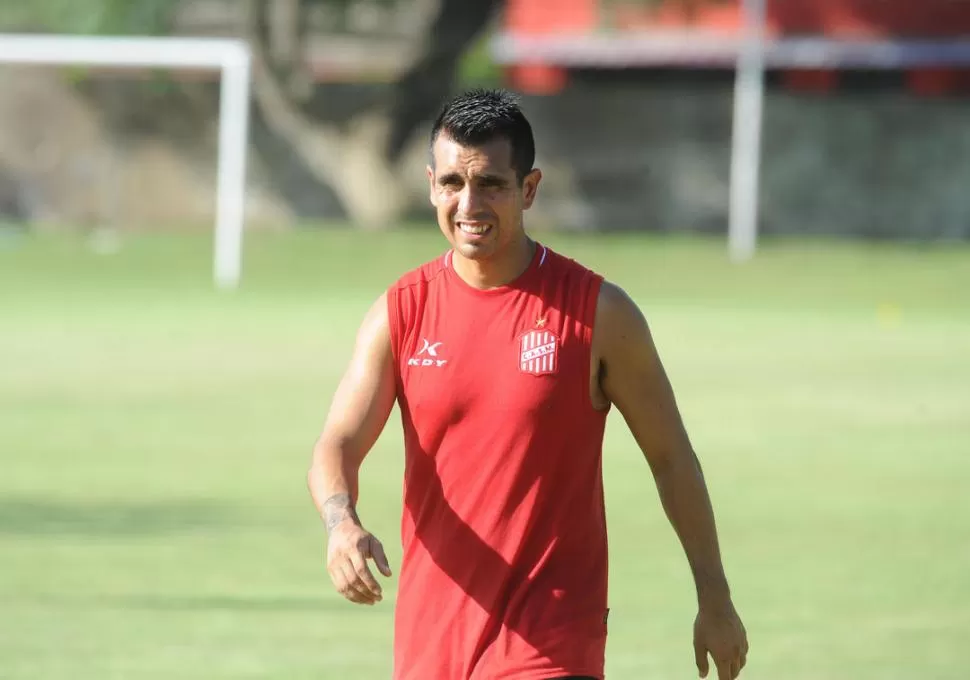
[496,271]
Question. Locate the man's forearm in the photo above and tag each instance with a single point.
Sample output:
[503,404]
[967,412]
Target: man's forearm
[332,480]
[685,499]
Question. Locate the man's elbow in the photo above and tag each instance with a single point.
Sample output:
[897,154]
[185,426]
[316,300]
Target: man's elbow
[336,455]
[675,464]
[335,447]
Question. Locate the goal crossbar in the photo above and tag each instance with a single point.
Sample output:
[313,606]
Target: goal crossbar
[229,56]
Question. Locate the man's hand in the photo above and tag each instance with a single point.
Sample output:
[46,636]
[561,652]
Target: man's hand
[349,548]
[718,631]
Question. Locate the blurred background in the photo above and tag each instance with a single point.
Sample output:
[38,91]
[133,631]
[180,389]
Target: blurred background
[155,431]
[632,104]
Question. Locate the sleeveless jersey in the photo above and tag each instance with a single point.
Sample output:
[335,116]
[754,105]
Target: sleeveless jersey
[504,570]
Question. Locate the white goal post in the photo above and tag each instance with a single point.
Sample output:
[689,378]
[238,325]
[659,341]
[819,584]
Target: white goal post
[746,133]
[230,56]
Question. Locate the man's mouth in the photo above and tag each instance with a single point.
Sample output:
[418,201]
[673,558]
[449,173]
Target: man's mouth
[474,228]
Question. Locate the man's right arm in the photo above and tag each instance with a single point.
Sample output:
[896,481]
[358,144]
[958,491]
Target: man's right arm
[360,408]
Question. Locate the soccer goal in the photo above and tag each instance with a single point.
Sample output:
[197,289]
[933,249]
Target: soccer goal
[231,57]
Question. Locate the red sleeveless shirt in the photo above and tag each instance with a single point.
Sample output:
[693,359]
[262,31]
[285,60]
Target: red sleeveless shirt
[504,571]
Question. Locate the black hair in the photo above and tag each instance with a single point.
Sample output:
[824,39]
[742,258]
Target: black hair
[478,116]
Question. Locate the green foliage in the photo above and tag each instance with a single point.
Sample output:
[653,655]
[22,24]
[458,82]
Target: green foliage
[88,17]
[144,17]
[477,68]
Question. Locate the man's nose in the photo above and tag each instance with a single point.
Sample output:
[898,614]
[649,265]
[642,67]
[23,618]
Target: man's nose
[470,201]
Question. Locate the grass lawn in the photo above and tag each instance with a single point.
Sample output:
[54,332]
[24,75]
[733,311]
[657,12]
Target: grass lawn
[154,437]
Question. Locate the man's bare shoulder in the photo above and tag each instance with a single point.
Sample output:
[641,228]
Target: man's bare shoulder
[375,321]
[616,312]
[621,341]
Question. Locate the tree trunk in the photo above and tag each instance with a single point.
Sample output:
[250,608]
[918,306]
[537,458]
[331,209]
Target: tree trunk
[362,162]
[351,163]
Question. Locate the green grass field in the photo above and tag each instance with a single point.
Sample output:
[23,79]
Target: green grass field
[154,437]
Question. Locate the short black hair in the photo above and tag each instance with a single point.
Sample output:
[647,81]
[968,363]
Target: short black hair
[478,116]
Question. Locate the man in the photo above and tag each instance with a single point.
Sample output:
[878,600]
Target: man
[504,358]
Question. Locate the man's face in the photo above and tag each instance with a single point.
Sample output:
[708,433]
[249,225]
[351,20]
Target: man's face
[477,196]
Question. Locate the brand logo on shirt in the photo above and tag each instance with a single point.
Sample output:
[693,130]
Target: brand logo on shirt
[538,352]
[430,347]
[428,355]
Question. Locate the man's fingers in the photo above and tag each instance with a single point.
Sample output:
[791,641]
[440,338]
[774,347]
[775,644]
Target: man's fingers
[345,583]
[353,589]
[354,596]
[352,575]
[364,576]
[724,669]
[380,559]
[340,583]
[735,668]
[700,658]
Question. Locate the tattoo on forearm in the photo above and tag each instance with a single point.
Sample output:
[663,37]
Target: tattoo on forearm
[336,509]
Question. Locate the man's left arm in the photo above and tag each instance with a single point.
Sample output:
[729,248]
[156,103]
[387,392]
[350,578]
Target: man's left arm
[632,377]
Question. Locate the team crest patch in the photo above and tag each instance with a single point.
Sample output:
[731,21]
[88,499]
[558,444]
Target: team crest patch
[538,352]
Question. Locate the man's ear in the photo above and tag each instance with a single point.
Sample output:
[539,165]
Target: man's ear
[530,187]
[431,193]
